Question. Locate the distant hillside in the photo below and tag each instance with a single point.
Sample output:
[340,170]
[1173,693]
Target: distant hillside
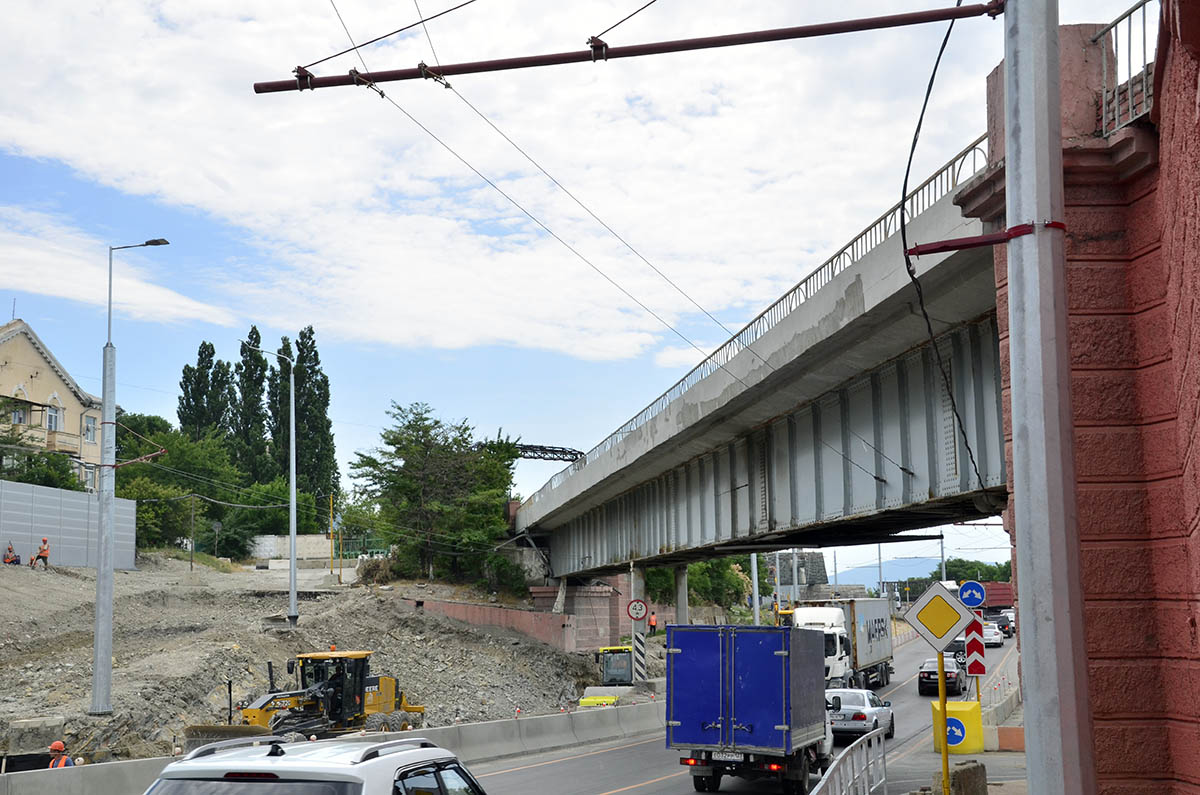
[893,570]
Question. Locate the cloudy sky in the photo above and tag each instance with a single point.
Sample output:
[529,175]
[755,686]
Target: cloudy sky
[734,171]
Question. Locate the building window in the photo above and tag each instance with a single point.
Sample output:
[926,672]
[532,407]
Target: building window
[89,477]
[89,429]
[19,417]
[53,417]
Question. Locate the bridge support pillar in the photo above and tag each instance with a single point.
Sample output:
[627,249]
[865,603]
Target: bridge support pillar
[681,595]
[637,590]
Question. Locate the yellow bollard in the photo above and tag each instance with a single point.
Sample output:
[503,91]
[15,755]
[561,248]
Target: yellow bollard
[964,716]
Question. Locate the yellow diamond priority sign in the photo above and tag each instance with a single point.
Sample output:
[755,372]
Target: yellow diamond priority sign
[938,616]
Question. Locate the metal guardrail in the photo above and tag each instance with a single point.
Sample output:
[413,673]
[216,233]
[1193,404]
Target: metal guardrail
[861,769]
[1124,102]
[962,166]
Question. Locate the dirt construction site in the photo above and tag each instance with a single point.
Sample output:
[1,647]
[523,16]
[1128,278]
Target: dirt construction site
[179,636]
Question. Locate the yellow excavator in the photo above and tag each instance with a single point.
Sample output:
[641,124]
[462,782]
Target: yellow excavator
[335,693]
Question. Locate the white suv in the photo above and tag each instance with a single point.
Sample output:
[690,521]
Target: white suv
[355,765]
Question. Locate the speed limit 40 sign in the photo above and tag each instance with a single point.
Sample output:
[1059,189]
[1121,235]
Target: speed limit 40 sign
[636,609]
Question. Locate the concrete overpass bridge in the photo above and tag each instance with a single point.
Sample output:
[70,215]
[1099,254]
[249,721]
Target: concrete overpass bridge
[825,421]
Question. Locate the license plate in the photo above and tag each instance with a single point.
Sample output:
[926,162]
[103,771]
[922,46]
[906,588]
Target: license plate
[727,756]
[837,716]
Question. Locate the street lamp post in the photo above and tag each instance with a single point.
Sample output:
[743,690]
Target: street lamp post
[102,639]
[293,613]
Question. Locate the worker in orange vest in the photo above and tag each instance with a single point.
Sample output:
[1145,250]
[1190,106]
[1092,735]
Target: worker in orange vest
[11,557]
[653,623]
[43,554]
[58,755]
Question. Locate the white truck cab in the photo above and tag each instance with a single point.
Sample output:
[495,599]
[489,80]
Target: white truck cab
[832,622]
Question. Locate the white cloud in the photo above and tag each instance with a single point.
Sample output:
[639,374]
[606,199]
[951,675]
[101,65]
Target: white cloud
[676,356]
[40,253]
[736,171]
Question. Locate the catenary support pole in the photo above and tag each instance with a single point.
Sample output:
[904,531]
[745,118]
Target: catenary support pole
[942,545]
[795,578]
[102,637]
[293,612]
[681,595]
[1058,723]
[754,585]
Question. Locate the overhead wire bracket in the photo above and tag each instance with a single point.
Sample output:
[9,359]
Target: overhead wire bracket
[429,74]
[362,81]
[303,78]
[978,241]
[599,49]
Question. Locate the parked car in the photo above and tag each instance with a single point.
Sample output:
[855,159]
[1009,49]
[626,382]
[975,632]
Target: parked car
[927,677]
[992,636]
[1002,622]
[355,765]
[861,712]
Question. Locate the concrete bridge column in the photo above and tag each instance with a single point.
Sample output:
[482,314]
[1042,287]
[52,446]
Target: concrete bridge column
[637,590]
[681,595]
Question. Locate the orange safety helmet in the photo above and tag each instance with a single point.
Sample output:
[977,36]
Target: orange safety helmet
[44,541]
[57,745]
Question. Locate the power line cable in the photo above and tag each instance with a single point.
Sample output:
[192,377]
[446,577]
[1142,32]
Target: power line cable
[912,271]
[626,19]
[355,47]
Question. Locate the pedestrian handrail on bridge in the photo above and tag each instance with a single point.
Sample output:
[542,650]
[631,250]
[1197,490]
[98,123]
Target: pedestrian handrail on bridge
[961,167]
[861,769]
[1125,101]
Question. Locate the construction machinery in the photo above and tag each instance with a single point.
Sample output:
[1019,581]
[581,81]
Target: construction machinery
[335,693]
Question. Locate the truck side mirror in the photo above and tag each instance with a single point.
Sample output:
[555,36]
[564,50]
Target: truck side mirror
[837,703]
[887,703]
[291,666]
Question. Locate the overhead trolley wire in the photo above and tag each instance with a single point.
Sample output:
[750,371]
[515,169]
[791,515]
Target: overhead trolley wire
[355,47]
[626,19]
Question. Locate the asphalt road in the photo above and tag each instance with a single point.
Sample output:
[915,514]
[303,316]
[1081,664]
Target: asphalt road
[646,767]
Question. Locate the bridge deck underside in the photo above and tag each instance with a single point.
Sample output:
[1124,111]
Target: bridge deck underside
[876,456]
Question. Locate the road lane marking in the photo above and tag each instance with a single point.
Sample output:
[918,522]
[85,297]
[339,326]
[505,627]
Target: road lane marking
[902,684]
[568,758]
[916,746]
[644,783]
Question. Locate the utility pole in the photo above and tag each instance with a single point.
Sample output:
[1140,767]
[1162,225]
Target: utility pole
[835,582]
[1058,721]
[754,584]
[942,544]
[192,551]
[795,578]
[879,555]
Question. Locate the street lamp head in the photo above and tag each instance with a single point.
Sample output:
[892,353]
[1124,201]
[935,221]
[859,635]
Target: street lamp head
[158,241]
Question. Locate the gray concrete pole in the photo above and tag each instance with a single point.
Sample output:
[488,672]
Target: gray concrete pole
[1058,723]
[754,584]
[795,579]
[681,595]
[942,545]
[879,559]
[102,632]
[293,613]
[637,590]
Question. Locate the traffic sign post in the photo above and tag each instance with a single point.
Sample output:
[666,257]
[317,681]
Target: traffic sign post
[972,593]
[938,617]
[636,609]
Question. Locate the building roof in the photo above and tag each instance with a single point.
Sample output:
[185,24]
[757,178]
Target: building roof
[18,327]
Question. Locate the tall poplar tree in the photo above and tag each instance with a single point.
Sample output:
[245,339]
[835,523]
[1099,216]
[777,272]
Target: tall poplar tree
[317,469]
[250,414]
[206,394]
[278,389]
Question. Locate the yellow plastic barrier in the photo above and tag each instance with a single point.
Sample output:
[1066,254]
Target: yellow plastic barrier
[599,701]
[964,717]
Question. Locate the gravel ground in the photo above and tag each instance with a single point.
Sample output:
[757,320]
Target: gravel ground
[179,636]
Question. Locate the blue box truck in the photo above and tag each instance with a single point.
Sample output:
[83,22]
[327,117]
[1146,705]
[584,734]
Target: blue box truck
[748,701]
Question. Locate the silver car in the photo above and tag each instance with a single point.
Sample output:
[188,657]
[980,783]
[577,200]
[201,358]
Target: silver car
[859,712]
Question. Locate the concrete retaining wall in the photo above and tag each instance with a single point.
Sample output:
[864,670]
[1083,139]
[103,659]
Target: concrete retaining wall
[472,742]
[307,546]
[556,629]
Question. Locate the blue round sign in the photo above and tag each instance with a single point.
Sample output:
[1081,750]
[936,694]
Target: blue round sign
[956,732]
[971,593]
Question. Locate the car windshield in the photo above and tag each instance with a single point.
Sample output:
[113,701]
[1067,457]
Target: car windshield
[192,786]
[849,699]
[831,645]
[931,665]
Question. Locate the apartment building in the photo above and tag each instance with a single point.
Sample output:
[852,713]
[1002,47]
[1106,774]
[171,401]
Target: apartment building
[45,403]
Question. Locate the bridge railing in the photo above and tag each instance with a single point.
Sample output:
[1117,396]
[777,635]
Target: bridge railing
[861,769]
[1129,77]
[961,167]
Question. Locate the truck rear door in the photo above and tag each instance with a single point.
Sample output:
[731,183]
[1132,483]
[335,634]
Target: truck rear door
[695,687]
[758,689]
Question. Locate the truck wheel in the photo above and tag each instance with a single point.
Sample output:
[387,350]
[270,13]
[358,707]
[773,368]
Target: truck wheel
[714,782]
[891,732]
[380,722]
[700,783]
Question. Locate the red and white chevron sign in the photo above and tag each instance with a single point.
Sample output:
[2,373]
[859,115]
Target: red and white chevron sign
[975,664]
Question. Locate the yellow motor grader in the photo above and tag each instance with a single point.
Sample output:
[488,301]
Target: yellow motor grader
[335,693]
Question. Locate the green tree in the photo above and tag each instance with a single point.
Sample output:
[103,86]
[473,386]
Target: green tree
[191,465]
[441,495]
[165,515]
[135,425]
[206,394]
[259,521]
[720,581]
[278,391]
[316,460]
[249,414]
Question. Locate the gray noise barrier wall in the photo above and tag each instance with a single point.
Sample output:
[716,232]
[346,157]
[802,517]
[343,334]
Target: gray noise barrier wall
[472,742]
[70,520]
